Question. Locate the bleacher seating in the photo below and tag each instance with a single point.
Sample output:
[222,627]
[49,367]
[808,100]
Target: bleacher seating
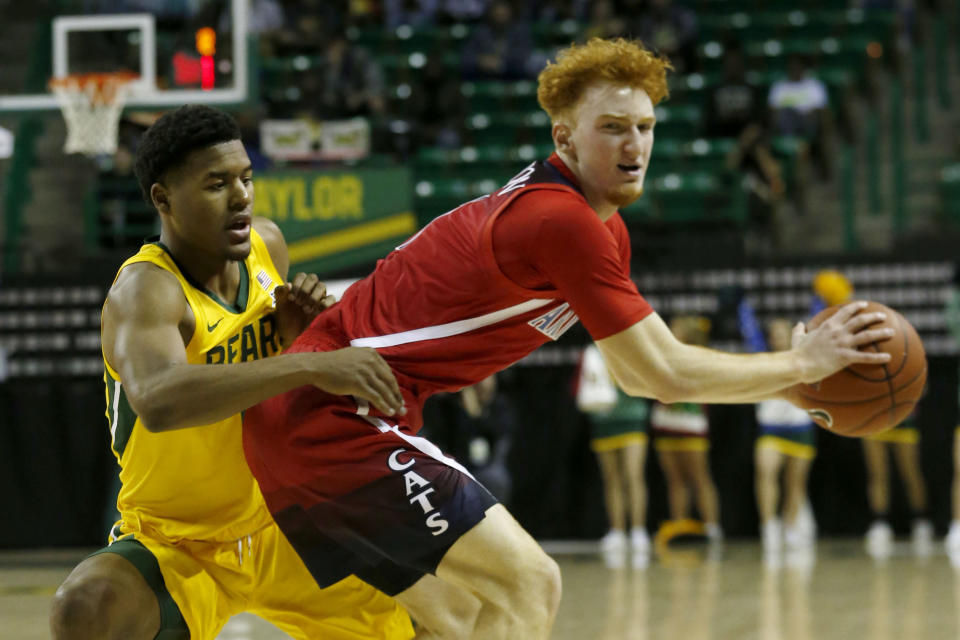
[918,290]
[505,129]
[49,330]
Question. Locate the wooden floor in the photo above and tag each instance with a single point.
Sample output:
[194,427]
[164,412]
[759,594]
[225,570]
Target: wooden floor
[838,593]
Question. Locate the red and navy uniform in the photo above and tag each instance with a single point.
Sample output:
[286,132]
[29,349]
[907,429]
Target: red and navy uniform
[473,292]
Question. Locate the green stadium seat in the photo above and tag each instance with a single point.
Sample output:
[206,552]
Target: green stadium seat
[696,197]
[435,196]
[492,95]
[949,190]
[692,88]
[509,127]
[676,120]
[552,34]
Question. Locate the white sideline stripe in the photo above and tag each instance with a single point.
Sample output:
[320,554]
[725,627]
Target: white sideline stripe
[449,329]
[421,444]
[116,412]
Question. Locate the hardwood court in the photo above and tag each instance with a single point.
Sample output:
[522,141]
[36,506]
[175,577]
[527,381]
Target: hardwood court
[839,593]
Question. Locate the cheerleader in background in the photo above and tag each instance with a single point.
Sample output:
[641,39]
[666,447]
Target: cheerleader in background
[619,439]
[681,438]
[786,444]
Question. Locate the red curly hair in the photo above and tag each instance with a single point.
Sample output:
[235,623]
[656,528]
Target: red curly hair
[621,61]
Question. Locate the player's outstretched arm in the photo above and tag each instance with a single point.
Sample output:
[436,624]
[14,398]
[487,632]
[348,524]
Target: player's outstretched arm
[647,360]
[147,322]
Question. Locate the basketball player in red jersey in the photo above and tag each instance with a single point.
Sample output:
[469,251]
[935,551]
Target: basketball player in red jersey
[358,492]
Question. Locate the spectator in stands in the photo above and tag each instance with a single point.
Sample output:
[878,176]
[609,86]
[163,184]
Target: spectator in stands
[501,47]
[363,13]
[671,29]
[476,428]
[248,119]
[416,13]
[159,8]
[800,107]
[488,420]
[348,84]
[737,109]
[265,17]
[560,10]
[308,21]
[470,11]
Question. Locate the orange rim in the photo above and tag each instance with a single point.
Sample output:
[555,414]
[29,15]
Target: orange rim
[102,87]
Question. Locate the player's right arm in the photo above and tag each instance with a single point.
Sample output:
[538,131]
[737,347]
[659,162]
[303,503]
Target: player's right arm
[146,324]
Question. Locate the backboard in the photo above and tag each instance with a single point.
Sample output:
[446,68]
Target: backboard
[194,51]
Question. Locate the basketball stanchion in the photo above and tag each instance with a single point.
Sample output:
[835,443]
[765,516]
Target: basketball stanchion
[91,104]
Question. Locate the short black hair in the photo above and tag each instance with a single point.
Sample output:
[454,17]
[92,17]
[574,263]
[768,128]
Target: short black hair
[177,133]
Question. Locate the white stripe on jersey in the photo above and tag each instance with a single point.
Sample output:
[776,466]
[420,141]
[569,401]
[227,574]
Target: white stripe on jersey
[419,442]
[449,329]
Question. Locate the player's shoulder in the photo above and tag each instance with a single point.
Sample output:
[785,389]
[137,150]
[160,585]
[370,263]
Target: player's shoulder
[144,285]
[268,230]
[554,203]
[273,240]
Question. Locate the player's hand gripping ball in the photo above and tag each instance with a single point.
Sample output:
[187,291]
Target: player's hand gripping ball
[863,399]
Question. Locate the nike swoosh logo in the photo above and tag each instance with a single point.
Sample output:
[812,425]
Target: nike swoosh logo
[211,327]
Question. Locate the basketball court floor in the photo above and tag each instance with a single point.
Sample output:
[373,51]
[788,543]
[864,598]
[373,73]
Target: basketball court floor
[694,594]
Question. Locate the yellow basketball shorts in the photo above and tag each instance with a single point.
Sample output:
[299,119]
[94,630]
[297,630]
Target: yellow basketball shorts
[210,582]
[899,434]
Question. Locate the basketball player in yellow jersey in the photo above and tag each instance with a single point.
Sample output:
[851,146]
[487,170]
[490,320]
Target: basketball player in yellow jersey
[196,544]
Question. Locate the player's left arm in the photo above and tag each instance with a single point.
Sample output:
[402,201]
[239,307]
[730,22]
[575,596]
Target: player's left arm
[647,360]
[298,301]
[588,263]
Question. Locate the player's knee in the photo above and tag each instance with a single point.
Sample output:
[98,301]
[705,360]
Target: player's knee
[540,585]
[457,619]
[552,584]
[80,606]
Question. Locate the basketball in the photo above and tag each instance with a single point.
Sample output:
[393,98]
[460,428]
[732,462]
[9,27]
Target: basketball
[863,399]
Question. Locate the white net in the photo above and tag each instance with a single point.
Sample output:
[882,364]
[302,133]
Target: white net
[91,105]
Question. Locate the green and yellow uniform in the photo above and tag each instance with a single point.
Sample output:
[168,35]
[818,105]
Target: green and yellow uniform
[682,426]
[786,428]
[624,424]
[906,432]
[193,520]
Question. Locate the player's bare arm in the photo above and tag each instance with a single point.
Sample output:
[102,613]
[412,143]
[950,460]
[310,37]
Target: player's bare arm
[647,360]
[146,325]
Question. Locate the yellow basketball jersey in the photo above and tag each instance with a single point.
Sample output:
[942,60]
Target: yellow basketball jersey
[194,483]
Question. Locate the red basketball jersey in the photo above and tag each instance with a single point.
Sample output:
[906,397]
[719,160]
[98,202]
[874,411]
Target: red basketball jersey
[443,313]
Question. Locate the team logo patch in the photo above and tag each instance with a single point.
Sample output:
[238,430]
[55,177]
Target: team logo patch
[555,322]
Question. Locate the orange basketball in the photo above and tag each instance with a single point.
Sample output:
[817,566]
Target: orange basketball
[864,399]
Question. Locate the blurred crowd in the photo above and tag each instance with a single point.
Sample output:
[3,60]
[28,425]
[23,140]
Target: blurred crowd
[347,59]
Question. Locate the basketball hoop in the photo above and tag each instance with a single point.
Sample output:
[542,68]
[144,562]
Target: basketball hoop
[91,105]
